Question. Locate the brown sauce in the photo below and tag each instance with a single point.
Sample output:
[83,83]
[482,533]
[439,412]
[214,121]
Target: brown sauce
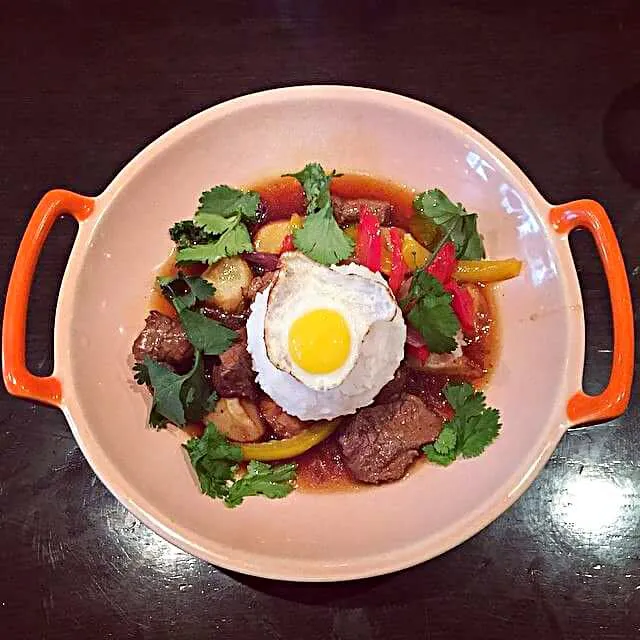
[322,468]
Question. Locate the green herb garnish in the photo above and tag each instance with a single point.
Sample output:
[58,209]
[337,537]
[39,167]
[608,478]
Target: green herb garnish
[320,237]
[430,312]
[206,335]
[262,479]
[215,461]
[233,241]
[186,233]
[187,289]
[473,427]
[226,202]
[176,398]
[218,228]
[435,204]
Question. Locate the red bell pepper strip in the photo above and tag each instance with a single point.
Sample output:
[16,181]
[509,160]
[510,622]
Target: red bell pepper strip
[462,305]
[287,244]
[444,264]
[398,266]
[419,353]
[369,242]
[416,345]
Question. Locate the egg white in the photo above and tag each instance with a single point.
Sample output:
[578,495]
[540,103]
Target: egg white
[303,285]
[377,344]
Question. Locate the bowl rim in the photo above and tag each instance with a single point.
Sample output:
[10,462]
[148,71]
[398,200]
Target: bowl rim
[280,567]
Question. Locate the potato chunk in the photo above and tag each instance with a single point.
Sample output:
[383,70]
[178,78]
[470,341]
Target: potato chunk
[237,419]
[231,278]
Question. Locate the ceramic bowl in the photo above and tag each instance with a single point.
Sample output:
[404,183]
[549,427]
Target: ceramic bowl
[122,239]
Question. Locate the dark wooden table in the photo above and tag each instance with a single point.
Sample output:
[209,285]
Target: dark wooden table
[87,85]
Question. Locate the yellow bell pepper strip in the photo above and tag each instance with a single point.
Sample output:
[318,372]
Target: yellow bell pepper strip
[290,447]
[487,270]
[414,254]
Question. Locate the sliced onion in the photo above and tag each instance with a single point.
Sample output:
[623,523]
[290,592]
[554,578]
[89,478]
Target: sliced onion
[268,261]
[414,338]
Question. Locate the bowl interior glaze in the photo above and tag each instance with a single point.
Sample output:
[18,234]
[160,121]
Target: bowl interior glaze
[315,536]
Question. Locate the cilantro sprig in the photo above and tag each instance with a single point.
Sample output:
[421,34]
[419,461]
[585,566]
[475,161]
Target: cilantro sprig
[218,227]
[205,334]
[462,225]
[176,398]
[187,289]
[320,237]
[472,429]
[262,479]
[233,241]
[430,312]
[215,461]
[184,398]
[186,233]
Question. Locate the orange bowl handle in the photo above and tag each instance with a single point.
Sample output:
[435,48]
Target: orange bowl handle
[17,378]
[614,399]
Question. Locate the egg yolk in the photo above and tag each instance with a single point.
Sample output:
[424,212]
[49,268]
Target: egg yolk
[319,341]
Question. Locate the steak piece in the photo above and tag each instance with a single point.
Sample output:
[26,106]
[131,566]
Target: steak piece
[347,210]
[281,423]
[234,377]
[233,321]
[381,441]
[395,386]
[164,340]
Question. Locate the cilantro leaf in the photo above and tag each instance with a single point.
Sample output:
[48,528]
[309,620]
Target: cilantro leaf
[435,204]
[446,442]
[431,313]
[444,459]
[315,182]
[214,460]
[464,399]
[141,373]
[232,242]
[167,388]
[262,479]
[226,202]
[186,233]
[320,237]
[473,427]
[205,334]
[187,289]
[216,224]
[479,432]
[156,419]
[217,230]
[176,398]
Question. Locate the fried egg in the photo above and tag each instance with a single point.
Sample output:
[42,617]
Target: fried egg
[324,340]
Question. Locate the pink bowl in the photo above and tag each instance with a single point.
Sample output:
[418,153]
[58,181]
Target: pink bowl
[123,238]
